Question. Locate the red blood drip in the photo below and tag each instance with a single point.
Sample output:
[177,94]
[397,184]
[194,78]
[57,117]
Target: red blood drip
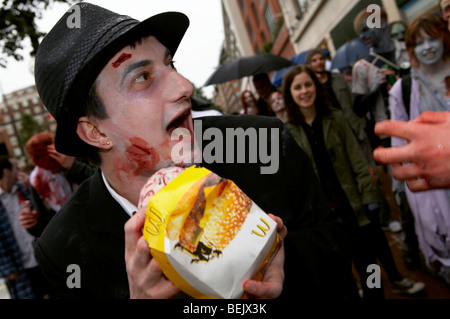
[123,57]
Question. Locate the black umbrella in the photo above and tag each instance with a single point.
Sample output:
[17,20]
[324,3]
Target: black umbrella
[246,66]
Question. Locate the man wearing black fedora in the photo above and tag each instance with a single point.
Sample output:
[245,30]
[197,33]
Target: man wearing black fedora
[113,89]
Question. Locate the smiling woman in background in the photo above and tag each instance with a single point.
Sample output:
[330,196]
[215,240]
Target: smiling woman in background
[343,171]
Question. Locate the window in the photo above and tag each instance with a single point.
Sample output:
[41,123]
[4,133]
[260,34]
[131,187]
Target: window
[37,109]
[17,152]
[14,141]
[250,29]
[268,16]
[241,3]
[255,12]
[302,6]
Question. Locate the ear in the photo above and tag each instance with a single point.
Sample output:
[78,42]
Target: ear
[89,133]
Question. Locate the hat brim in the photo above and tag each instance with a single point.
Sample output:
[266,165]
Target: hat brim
[169,28]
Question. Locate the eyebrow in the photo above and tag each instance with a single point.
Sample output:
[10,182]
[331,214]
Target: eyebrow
[133,66]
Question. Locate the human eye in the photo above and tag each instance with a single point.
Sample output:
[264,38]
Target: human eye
[171,64]
[142,77]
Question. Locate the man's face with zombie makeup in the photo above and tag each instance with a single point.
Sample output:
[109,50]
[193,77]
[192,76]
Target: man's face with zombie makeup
[428,50]
[371,36]
[146,99]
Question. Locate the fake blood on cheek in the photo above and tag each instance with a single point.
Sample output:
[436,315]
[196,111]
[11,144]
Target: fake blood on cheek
[140,157]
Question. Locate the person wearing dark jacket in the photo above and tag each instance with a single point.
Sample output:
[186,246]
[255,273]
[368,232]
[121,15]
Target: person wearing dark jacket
[120,100]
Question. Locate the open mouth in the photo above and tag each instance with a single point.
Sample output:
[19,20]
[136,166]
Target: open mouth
[182,120]
[429,54]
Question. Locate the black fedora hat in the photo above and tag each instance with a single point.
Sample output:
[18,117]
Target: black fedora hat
[71,56]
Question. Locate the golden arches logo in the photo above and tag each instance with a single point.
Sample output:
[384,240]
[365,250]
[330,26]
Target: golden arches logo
[263,229]
[155,222]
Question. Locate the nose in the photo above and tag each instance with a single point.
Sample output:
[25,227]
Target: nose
[182,87]
[426,44]
[303,90]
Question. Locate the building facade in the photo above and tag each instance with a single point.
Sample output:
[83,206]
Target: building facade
[329,23]
[251,27]
[12,108]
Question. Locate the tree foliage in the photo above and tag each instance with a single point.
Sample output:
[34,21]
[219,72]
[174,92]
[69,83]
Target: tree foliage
[29,127]
[18,22]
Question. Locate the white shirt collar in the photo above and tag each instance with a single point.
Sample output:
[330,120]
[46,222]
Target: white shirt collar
[127,206]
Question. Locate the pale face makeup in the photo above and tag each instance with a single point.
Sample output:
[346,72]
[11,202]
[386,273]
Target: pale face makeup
[146,99]
[428,49]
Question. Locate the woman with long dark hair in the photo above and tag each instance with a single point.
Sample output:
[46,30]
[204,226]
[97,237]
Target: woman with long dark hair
[343,171]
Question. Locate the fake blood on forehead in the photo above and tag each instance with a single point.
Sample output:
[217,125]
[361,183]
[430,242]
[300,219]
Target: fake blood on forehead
[122,58]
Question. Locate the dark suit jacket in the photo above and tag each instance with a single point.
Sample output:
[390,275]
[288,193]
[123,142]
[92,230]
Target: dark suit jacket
[88,231]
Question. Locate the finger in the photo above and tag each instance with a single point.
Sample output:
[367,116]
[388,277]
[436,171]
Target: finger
[394,128]
[133,231]
[406,171]
[418,185]
[433,117]
[164,287]
[281,228]
[392,155]
[142,256]
[263,290]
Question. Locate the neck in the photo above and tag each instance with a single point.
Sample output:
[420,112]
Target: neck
[309,115]
[322,76]
[126,184]
[430,70]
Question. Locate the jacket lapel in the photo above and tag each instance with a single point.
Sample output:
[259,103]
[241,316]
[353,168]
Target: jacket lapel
[107,221]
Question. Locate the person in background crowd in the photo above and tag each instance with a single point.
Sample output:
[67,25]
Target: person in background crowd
[370,79]
[341,98]
[397,31]
[52,181]
[445,12]
[17,261]
[428,43]
[249,103]
[264,88]
[343,171]
[277,106]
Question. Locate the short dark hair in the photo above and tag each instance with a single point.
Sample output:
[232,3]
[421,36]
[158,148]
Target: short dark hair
[95,108]
[312,53]
[322,102]
[4,163]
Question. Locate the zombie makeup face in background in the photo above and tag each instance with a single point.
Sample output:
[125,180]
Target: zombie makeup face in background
[428,49]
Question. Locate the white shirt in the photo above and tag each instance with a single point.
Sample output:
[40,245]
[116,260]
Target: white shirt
[127,206]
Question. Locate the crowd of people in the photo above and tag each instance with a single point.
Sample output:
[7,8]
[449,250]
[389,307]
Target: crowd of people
[363,102]
[336,138]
